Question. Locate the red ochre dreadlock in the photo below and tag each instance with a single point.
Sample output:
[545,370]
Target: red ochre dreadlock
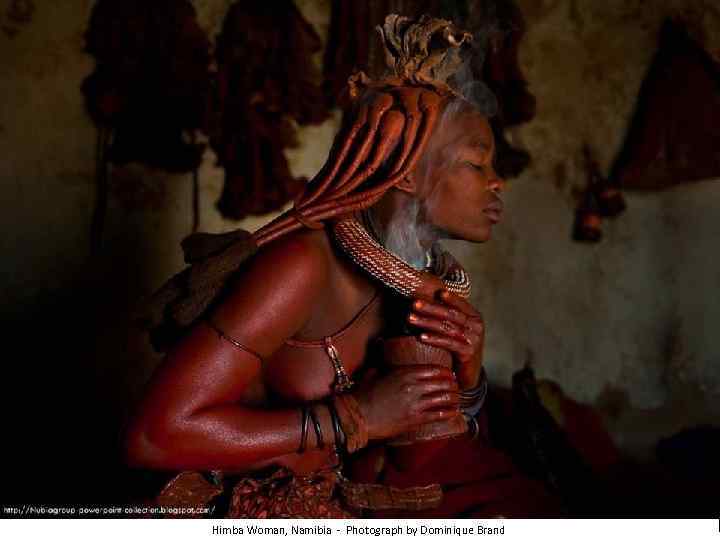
[402,115]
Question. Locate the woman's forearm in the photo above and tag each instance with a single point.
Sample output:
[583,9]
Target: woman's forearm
[227,437]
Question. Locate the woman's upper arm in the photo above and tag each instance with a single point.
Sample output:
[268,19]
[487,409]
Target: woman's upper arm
[269,302]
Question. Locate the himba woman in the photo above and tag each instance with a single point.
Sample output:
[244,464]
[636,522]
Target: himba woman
[279,388]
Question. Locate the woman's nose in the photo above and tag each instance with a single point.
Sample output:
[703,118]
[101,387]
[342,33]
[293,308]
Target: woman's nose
[496,184]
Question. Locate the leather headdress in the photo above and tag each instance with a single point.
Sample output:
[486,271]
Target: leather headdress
[423,52]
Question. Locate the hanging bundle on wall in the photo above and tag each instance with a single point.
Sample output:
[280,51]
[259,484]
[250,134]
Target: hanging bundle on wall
[675,134]
[502,74]
[150,84]
[266,82]
[348,46]
[149,91]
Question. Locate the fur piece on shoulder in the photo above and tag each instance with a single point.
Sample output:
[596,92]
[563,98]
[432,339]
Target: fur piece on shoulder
[185,297]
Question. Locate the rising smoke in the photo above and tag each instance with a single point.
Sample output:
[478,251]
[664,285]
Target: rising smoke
[402,234]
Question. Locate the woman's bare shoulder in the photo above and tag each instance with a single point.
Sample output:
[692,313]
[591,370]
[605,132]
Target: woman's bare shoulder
[274,295]
[295,263]
[305,253]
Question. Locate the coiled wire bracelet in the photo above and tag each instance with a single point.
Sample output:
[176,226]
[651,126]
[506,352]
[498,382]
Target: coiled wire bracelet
[308,414]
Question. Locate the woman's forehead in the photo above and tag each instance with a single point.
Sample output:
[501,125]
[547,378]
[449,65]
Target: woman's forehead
[466,130]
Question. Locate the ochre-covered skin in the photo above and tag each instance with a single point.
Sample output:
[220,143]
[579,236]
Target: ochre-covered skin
[212,405]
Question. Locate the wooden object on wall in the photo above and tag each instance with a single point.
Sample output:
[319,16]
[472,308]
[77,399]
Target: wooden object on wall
[266,82]
[674,137]
[600,199]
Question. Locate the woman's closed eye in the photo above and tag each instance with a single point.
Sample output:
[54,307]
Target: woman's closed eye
[477,166]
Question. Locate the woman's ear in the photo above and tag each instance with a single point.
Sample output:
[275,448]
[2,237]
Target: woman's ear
[408,184]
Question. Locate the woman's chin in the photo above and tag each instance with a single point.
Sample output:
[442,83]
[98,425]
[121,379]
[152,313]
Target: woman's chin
[476,236]
[484,237]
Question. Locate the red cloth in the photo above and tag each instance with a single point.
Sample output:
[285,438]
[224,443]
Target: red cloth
[586,431]
[477,479]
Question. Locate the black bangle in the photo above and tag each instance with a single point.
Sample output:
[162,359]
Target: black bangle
[303,429]
[340,437]
[318,428]
[479,388]
[473,426]
[473,399]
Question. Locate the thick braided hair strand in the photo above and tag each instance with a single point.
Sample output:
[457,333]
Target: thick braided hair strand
[381,143]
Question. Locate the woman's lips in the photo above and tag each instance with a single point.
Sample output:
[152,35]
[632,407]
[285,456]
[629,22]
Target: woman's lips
[494,211]
[494,215]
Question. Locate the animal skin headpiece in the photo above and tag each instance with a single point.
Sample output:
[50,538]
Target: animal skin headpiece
[418,52]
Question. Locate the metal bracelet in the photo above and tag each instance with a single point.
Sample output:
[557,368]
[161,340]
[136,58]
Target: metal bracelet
[318,428]
[472,400]
[473,426]
[303,429]
[340,437]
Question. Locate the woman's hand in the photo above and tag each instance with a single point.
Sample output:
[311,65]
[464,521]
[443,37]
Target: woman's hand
[406,398]
[455,325]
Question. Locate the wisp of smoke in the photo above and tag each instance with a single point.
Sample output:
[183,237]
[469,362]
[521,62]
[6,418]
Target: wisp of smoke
[402,233]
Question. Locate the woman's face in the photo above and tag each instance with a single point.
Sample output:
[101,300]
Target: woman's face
[457,184]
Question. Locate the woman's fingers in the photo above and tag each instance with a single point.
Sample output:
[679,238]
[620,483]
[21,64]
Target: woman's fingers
[453,309]
[440,311]
[424,372]
[457,302]
[438,400]
[443,327]
[474,322]
[432,387]
[439,326]
[457,345]
[440,414]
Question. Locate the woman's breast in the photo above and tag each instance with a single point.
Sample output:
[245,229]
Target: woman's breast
[304,371]
[300,374]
